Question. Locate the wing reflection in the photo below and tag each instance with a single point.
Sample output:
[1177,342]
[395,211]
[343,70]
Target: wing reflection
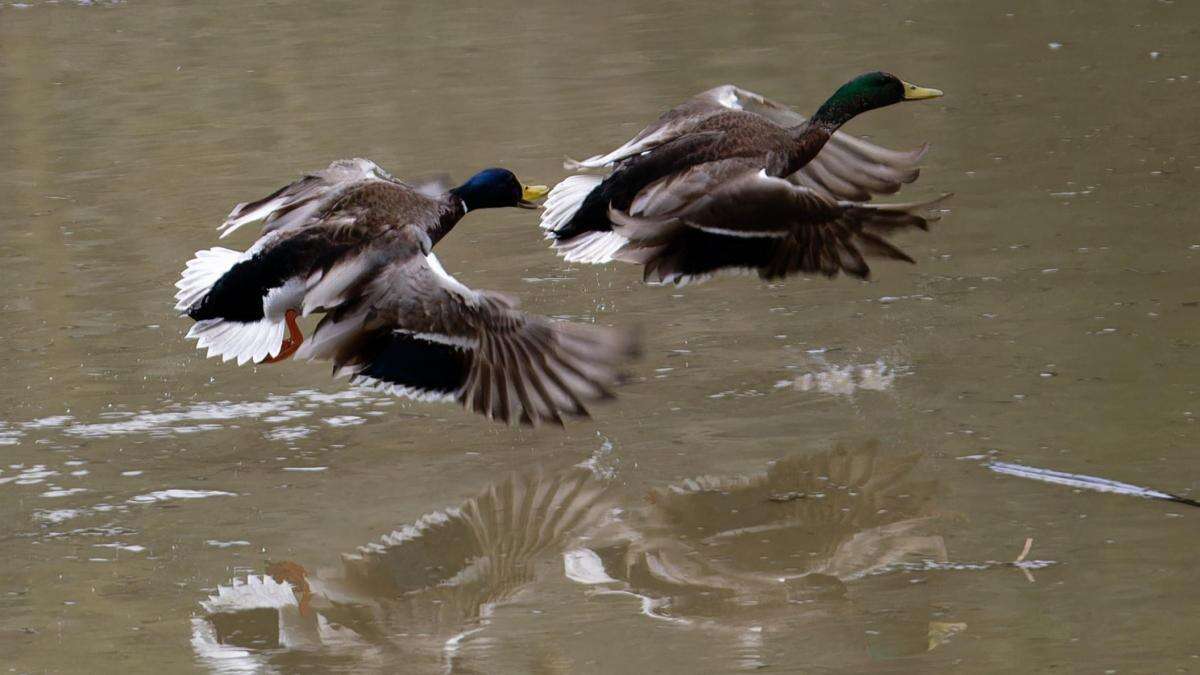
[743,557]
[786,553]
[748,556]
[415,593]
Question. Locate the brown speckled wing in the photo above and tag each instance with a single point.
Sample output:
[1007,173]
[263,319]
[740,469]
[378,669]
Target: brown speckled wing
[300,202]
[726,218]
[420,333]
[847,167]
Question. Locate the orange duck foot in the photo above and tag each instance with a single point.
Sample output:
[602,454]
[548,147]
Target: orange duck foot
[292,342]
[297,576]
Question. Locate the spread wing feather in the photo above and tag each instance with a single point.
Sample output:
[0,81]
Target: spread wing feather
[728,215]
[418,332]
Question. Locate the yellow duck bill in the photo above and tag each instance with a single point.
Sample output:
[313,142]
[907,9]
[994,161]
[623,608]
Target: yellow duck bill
[530,194]
[914,93]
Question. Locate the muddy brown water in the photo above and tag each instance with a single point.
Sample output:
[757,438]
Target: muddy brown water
[1051,319]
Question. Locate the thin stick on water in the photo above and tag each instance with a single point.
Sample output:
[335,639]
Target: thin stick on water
[1021,558]
[1021,563]
[1025,551]
[1083,482]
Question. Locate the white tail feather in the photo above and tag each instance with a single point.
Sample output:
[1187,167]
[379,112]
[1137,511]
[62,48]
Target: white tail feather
[256,592]
[591,247]
[201,272]
[566,198]
[243,341]
[561,205]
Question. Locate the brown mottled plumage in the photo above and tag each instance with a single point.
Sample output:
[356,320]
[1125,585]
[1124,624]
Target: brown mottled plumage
[730,180]
[354,243]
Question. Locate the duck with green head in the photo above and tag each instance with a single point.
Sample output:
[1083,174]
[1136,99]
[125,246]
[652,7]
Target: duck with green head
[355,244]
[732,180]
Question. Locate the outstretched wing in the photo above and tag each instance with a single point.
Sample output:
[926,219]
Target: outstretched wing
[852,510]
[674,123]
[735,196]
[409,591]
[726,215]
[846,168]
[417,332]
[294,204]
[483,548]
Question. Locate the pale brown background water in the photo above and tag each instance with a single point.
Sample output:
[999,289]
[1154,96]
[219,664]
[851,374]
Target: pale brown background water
[1052,317]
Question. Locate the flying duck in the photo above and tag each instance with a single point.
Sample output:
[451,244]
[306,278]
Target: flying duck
[354,243]
[730,180]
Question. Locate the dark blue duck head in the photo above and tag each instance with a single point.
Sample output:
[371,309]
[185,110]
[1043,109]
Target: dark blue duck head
[494,188]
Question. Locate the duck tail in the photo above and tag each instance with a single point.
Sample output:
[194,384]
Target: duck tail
[564,201]
[591,247]
[572,243]
[244,341]
[201,273]
[240,340]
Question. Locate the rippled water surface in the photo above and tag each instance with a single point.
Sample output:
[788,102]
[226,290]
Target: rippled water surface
[792,481]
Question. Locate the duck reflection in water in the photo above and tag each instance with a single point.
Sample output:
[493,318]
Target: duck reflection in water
[778,554]
[416,593]
[742,557]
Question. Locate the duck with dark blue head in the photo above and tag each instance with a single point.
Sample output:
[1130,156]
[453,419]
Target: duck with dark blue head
[495,188]
[354,243]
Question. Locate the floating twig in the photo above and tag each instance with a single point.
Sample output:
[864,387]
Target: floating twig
[932,565]
[1018,563]
[1024,551]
